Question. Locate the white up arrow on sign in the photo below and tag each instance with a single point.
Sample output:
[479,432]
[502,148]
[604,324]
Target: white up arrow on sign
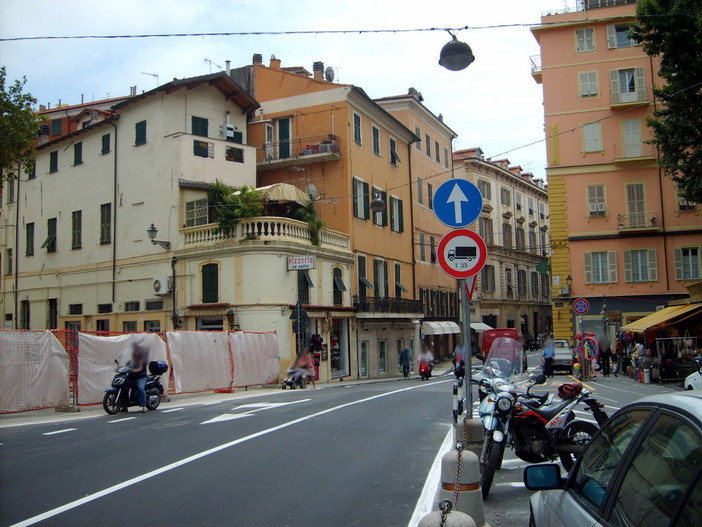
[457,197]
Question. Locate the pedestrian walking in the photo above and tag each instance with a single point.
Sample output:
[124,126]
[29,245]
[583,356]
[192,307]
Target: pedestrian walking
[404,360]
[548,354]
[605,357]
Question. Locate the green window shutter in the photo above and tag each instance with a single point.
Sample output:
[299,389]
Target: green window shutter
[588,268]
[652,265]
[106,223]
[385,275]
[354,189]
[210,285]
[105,144]
[200,126]
[611,37]
[366,201]
[29,249]
[392,212]
[376,277]
[140,133]
[402,216]
[77,153]
[77,230]
[627,266]
[56,126]
[612,266]
[53,162]
[678,264]
[384,197]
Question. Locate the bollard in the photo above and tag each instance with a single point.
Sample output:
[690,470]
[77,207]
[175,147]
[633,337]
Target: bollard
[470,432]
[446,518]
[470,497]
[461,396]
[455,402]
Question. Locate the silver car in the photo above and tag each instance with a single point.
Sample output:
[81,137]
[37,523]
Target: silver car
[643,469]
[563,356]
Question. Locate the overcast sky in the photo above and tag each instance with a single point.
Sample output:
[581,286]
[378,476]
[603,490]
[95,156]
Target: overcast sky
[494,103]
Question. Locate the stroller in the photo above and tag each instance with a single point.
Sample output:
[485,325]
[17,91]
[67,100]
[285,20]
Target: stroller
[295,378]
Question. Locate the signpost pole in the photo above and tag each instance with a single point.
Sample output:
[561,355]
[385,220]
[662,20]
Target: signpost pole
[465,307]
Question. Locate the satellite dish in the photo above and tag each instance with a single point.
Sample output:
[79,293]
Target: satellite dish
[329,74]
[311,191]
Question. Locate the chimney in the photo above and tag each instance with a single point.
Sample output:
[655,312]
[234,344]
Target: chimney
[318,70]
[228,67]
[81,98]
[275,63]
[42,107]
[257,58]
[441,117]
[132,90]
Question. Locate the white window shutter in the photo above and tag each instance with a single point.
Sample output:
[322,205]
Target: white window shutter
[639,80]
[612,263]
[601,207]
[588,268]
[593,207]
[627,266]
[584,85]
[614,80]
[678,264]
[652,265]
[580,34]
[592,79]
[611,37]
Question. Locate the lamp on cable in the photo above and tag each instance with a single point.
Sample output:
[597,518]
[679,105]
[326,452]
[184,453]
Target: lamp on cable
[456,55]
[377,205]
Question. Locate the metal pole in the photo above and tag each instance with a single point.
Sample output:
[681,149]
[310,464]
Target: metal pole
[465,307]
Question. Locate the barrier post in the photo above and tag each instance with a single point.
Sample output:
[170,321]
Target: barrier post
[446,517]
[460,482]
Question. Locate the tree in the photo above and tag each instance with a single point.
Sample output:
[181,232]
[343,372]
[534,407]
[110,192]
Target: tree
[18,127]
[672,31]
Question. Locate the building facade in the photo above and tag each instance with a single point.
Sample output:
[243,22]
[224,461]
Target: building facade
[512,290]
[621,236]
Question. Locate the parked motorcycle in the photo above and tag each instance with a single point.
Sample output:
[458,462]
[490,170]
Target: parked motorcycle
[123,393]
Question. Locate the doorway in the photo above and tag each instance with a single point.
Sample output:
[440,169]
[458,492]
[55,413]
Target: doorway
[364,359]
[636,205]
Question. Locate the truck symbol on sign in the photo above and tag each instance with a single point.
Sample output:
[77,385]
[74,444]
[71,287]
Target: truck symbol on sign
[462,253]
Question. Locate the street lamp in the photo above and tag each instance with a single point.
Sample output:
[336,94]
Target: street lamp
[230,318]
[152,232]
[377,205]
[569,281]
[456,55]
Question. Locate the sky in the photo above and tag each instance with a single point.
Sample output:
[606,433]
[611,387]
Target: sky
[494,103]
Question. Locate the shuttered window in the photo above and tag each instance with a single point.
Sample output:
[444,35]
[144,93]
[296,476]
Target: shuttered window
[588,83]
[77,153]
[422,250]
[640,265]
[396,215]
[29,239]
[376,140]
[140,133]
[361,199]
[688,263]
[585,40]
[56,126]
[357,128]
[380,271]
[210,283]
[53,162]
[601,267]
[105,144]
[628,85]
[339,287]
[200,126]
[596,200]
[592,137]
[618,37]
[106,223]
[77,229]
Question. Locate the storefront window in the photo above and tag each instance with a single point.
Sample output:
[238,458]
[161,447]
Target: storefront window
[339,348]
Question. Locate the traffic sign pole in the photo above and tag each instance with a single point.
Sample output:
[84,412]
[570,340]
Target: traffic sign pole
[465,306]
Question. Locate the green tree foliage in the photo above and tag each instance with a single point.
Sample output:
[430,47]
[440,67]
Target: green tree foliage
[231,206]
[308,214]
[18,127]
[672,30]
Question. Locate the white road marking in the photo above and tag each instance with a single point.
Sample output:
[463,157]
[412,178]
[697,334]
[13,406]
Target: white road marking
[598,396]
[226,417]
[210,403]
[121,420]
[171,410]
[59,431]
[517,484]
[51,421]
[425,503]
[258,407]
[195,457]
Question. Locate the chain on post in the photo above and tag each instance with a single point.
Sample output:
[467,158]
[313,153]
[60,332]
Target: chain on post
[445,507]
[456,493]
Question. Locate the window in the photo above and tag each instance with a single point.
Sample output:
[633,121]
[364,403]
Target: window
[485,230]
[31,172]
[50,242]
[418,142]
[485,189]
[197,212]
[52,313]
[77,229]
[596,200]
[396,215]
[339,286]
[203,149]
[617,36]
[56,126]
[399,288]
[357,128]
[75,309]
[152,326]
[376,140]
[10,185]
[78,153]
[382,356]
[545,292]
[592,137]
[420,191]
[427,144]
[432,249]
[659,475]
[534,277]
[200,126]
[520,238]
[154,305]
[487,278]
[129,326]
[507,240]
[233,154]
[380,218]
[304,282]
[687,263]
[104,308]
[509,282]
[363,283]
[53,162]
[446,158]
[25,315]
[505,196]
[640,265]
[380,270]
[521,282]
[430,196]
[437,152]
[601,267]
[422,249]
[585,40]
[518,200]
[530,203]
[685,205]
[29,239]
[105,223]
[105,144]
[210,283]
[588,83]
[361,199]
[542,211]
[140,133]
[8,259]
[636,205]
[532,241]
[628,85]
[394,158]
[132,305]
[602,457]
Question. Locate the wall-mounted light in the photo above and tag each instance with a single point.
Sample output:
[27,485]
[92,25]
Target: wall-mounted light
[569,281]
[152,232]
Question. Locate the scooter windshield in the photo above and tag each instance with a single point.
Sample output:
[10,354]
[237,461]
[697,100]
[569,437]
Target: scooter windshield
[505,359]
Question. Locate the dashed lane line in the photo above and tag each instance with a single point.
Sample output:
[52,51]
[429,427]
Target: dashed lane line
[171,410]
[59,432]
[123,419]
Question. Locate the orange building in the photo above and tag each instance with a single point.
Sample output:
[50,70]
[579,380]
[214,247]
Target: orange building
[621,236]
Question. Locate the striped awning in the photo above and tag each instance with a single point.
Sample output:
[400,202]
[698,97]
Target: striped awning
[440,328]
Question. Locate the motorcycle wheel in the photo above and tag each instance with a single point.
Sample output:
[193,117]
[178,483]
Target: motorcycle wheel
[502,454]
[493,452]
[153,399]
[578,433]
[111,404]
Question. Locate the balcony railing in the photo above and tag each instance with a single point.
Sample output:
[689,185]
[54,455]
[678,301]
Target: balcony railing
[387,305]
[298,151]
[638,221]
[262,228]
[620,98]
[535,64]
[633,150]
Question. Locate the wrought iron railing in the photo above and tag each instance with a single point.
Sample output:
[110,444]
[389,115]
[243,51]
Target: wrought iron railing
[638,220]
[387,305]
[633,150]
[298,148]
[631,97]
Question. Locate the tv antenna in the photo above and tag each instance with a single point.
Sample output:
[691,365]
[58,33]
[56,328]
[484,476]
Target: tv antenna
[208,61]
[154,75]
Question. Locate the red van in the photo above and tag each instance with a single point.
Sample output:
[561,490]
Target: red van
[491,334]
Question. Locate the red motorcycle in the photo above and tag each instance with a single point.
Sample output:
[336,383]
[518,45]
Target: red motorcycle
[424,370]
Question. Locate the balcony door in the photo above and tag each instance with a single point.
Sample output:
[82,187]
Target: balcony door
[269,142]
[636,205]
[283,138]
[631,134]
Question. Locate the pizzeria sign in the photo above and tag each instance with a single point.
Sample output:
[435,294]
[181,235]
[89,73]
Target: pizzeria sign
[298,263]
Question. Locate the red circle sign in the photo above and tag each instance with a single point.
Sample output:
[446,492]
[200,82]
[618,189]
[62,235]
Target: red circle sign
[581,306]
[461,253]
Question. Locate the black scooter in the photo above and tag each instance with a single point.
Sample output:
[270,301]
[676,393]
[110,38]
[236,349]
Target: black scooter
[123,393]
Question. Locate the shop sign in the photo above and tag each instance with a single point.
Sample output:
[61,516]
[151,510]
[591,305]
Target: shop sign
[299,263]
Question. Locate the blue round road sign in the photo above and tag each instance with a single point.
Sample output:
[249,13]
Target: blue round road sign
[457,203]
[581,306]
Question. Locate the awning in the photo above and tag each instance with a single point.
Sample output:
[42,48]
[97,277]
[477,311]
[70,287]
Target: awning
[479,326]
[660,318]
[284,192]
[440,328]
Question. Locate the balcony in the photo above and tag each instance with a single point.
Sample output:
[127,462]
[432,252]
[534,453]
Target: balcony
[387,305]
[633,151]
[536,67]
[266,229]
[638,221]
[621,99]
[301,151]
